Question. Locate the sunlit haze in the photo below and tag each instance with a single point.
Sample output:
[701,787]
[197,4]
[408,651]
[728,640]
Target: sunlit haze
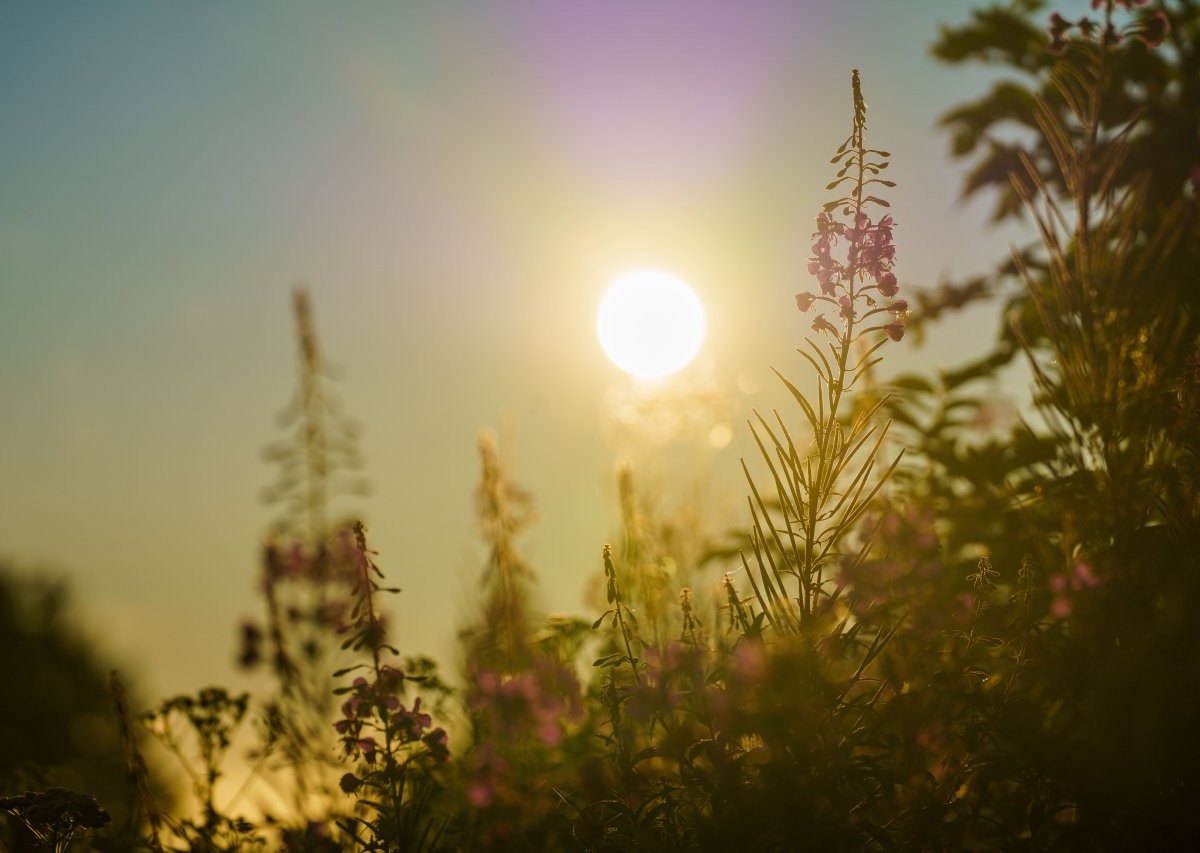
[650,323]
[457,184]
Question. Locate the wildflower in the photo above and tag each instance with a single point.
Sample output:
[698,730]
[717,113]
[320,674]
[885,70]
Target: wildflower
[1066,584]
[888,286]
[367,747]
[895,330]
[1152,30]
[820,324]
[438,744]
[900,306]
[1083,576]
[411,724]
[749,663]
[847,310]
[804,301]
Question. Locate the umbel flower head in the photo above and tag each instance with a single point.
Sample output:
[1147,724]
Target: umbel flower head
[853,253]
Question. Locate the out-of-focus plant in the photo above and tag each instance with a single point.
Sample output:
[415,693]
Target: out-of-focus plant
[56,725]
[1157,88]
[198,730]
[146,816]
[1117,506]
[1087,511]
[56,816]
[306,582]
[521,694]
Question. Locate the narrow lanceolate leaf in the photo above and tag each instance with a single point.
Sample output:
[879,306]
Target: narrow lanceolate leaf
[766,518]
[800,398]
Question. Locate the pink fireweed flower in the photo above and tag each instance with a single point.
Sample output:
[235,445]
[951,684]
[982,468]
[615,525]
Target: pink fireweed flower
[847,310]
[411,724]
[1153,30]
[1083,576]
[820,324]
[749,663]
[895,330]
[366,746]
[888,286]
[438,744]
[900,306]
[1065,585]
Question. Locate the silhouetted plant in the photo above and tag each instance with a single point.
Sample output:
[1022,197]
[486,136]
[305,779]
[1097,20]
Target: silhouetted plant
[305,584]
[199,730]
[824,490]
[56,816]
[392,746]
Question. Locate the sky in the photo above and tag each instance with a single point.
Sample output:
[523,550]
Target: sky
[456,183]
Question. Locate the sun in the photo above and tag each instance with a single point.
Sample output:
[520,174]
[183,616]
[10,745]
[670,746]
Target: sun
[650,324]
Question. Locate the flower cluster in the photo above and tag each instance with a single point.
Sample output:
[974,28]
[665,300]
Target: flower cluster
[866,269]
[376,707]
[1065,586]
[539,700]
[1149,29]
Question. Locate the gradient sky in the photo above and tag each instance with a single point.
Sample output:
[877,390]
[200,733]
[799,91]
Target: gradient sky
[457,182]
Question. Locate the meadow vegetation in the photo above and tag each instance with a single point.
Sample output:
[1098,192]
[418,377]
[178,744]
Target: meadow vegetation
[937,631]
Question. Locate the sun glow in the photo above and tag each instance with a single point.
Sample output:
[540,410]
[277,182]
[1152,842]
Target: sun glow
[650,324]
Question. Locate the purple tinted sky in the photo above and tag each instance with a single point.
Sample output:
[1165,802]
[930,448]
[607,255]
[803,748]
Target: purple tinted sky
[457,181]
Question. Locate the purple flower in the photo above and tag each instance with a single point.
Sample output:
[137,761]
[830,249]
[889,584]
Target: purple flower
[367,747]
[847,311]
[438,744]
[899,306]
[888,286]
[1153,29]
[895,330]
[820,324]
[411,724]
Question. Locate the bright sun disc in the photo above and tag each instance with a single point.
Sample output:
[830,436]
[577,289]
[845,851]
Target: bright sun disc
[650,324]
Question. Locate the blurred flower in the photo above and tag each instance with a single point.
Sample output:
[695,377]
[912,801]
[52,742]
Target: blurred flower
[820,324]
[804,301]
[847,310]
[438,744]
[1066,585]
[895,330]
[251,653]
[1152,30]
[411,725]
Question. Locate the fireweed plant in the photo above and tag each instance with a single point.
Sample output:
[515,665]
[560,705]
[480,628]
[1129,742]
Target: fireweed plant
[822,492]
[521,693]
[391,745]
[306,589]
